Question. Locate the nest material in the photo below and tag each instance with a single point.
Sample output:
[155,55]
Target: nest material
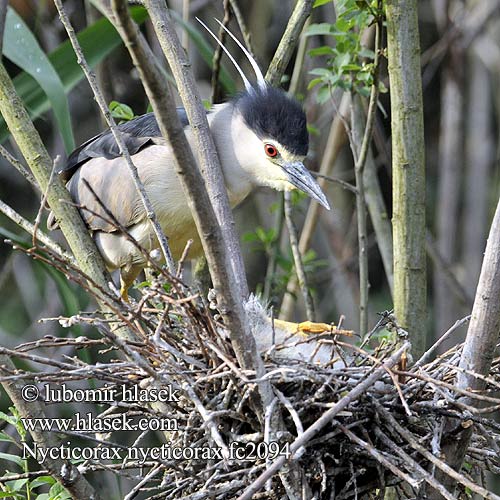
[386,436]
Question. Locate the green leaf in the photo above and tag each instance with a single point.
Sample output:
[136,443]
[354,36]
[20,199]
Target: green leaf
[22,48]
[319,3]
[97,41]
[120,111]
[42,481]
[12,458]
[321,51]
[319,29]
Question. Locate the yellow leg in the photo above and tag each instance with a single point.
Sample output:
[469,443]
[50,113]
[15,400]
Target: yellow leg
[308,327]
[127,276]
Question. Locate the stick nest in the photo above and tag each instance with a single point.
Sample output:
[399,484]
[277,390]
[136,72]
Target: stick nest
[389,435]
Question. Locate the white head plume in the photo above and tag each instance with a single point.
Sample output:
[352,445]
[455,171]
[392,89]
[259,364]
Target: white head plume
[258,73]
[248,85]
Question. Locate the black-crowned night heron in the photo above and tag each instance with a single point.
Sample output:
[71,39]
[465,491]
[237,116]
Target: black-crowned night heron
[261,139]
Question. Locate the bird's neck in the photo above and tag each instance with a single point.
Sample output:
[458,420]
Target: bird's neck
[238,183]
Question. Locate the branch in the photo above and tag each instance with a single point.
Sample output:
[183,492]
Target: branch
[289,41]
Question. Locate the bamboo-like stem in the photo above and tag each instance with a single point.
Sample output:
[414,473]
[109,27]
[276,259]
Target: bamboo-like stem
[148,207]
[408,167]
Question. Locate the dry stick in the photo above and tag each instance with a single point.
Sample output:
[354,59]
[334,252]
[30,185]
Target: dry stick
[289,40]
[408,461]
[30,229]
[65,472]
[297,258]
[148,207]
[427,354]
[378,456]
[451,473]
[325,419]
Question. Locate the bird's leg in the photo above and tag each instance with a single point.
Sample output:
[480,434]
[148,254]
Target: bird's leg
[128,274]
[308,327]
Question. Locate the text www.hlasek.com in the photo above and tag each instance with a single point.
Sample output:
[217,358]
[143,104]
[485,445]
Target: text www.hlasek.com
[87,423]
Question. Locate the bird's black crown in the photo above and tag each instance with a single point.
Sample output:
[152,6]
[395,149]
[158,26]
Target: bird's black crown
[271,113]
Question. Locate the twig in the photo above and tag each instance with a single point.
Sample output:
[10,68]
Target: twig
[243,27]
[297,258]
[336,138]
[360,160]
[288,41]
[425,357]
[30,229]
[408,437]
[409,462]
[377,456]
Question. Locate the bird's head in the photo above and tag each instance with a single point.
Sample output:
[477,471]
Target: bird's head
[269,133]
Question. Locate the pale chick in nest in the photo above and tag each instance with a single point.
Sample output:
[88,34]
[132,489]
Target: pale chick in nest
[292,341]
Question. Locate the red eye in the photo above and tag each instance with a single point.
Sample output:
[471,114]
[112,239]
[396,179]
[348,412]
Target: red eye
[270,150]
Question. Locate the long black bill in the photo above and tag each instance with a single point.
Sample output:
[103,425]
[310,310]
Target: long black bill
[299,176]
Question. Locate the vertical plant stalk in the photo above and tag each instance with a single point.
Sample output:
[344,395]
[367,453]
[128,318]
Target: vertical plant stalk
[216,93]
[359,169]
[148,207]
[408,167]
[288,41]
[297,258]
[451,168]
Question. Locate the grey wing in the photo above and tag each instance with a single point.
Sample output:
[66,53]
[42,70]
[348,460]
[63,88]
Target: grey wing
[137,134]
[99,162]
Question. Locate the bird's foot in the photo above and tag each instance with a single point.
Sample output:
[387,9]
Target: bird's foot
[124,293]
[310,328]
